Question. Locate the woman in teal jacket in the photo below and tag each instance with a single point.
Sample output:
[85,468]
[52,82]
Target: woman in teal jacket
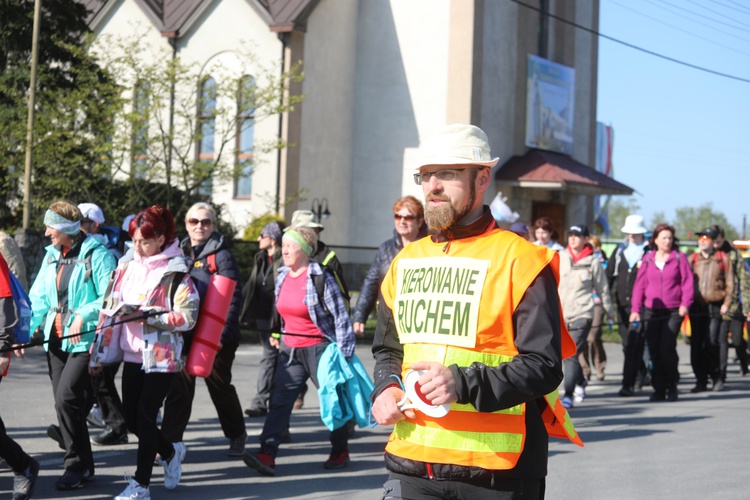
[66,298]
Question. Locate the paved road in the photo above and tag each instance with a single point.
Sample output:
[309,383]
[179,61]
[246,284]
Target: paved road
[694,448]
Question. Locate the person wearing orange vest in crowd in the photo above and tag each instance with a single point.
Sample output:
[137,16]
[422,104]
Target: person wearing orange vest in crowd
[714,285]
[471,323]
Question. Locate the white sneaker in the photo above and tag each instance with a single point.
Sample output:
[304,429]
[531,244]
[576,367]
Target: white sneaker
[173,468]
[134,491]
[579,394]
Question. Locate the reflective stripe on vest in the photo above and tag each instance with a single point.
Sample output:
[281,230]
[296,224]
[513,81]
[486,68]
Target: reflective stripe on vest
[488,440]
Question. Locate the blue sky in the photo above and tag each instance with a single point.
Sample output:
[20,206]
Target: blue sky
[681,135]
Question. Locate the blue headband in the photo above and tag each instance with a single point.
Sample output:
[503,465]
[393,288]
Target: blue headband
[57,221]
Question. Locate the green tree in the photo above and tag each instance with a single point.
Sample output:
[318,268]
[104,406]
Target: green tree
[171,108]
[618,210]
[689,220]
[75,103]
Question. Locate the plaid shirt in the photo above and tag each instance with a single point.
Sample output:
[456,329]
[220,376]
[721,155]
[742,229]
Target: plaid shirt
[336,325]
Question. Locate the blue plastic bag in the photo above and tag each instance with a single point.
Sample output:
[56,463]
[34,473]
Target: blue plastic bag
[23,304]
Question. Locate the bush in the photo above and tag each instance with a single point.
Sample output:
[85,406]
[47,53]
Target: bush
[252,231]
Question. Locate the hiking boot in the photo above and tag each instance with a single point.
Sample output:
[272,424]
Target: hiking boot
[53,432]
[262,462]
[627,391]
[23,484]
[672,394]
[95,417]
[109,437]
[134,491]
[699,388]
[337,460]
[173,467]
[70,480]
[657,396]
[237,446]
[255,412]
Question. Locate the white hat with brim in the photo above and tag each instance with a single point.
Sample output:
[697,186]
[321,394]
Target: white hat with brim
[456,144]
[304,218]
[634,225]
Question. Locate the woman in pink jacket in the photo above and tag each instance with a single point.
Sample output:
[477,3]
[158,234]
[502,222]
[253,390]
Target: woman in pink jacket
[662,295]
[156,294]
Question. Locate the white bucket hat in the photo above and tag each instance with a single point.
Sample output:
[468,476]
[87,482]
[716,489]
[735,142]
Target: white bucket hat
[634,225]
[456,144]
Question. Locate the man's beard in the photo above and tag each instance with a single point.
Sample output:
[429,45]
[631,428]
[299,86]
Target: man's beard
[446,215]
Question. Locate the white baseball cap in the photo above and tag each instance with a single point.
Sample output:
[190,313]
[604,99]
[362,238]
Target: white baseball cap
[92,212]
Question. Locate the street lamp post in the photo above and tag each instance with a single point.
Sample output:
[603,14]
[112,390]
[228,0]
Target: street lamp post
[320,209]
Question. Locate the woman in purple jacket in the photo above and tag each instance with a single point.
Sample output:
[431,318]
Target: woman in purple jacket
[664,290]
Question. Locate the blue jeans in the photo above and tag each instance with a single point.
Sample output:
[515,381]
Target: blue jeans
[293,368]
[579,330]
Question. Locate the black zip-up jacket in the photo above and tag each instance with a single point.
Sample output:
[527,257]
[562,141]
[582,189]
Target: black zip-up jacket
[368,295]
[197,259]
[535,372]
[621,276]
[259,288]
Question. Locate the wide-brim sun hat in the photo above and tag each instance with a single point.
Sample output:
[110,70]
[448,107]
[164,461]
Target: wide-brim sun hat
[634,225]
[304,218]
[456,144]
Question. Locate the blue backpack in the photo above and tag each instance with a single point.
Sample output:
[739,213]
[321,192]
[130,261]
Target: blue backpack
[23,306]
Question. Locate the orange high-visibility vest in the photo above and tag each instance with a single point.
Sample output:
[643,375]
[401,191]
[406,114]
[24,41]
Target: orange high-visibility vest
[457,308]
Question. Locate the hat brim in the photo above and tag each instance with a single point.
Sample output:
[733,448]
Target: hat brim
[634,230]
[454,160]
[311,225]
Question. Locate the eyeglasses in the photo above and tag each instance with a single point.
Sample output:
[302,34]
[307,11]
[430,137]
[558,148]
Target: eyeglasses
[404,217]
[202,222]
[447,175]
[703,237]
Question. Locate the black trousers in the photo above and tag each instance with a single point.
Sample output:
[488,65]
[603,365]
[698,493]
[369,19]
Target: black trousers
[11,451]
[106,395]
[400,486]
[142,396]
[662,327]
[179,402]
[733,326]
[705,325]
[69,373]
[632,348]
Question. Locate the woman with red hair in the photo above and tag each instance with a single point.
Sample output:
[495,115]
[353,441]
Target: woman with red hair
[153,288]
[662,295]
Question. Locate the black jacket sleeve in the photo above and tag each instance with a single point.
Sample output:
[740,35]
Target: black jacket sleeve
[368,295]
[387,350]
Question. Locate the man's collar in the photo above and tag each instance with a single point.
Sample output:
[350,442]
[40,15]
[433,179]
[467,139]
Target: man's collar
[483,224]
